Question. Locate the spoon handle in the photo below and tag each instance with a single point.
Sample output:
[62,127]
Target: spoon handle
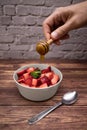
[50,41]
[43,113]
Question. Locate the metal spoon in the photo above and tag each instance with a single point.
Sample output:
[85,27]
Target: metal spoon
[68,99]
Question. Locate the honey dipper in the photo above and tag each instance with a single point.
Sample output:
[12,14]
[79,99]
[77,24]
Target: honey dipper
[43,47]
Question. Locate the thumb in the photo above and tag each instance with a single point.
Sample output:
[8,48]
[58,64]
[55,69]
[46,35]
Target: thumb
[61,31]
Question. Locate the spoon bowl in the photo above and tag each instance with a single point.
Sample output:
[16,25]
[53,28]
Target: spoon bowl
[69,98]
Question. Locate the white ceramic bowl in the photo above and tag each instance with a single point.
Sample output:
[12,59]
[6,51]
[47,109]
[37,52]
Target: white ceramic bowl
[38,94]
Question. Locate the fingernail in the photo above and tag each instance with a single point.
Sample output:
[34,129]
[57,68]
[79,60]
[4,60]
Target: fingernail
[54,35]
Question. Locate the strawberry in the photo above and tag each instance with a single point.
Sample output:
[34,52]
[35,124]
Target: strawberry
[46,70]
[26,75]
[44,85]
[55,79]
[42,75]
[34,77]
[49,75]
[38,82]
[20,73]
[21,77]
[21,80]
[34,82]
[28,82]
[31,69]
[45,79]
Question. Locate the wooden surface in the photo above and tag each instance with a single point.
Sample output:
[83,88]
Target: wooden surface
[15,110]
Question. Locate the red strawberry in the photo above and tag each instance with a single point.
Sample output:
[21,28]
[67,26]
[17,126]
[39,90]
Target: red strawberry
[20,73]
[49,75]
[29,70]
[21,77]
[42,75]
[21,80]
[34,82]
[38,82]
[26,75]
[45,79]
[46,70]
[55,79]
[28,82]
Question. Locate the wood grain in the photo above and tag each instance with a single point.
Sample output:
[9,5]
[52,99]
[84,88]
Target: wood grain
[15,110]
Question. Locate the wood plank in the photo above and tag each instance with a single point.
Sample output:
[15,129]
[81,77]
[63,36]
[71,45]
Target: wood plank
[62,118]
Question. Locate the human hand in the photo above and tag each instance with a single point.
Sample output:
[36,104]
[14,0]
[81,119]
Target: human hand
[65,19]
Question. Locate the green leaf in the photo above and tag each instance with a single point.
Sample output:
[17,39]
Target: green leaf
[36,74]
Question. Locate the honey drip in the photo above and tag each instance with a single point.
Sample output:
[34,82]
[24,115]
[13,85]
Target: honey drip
[42,57]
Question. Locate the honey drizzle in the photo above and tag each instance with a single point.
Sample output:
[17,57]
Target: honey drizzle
[42,57]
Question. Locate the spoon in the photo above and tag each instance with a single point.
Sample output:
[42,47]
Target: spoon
[43,47]
[68,99]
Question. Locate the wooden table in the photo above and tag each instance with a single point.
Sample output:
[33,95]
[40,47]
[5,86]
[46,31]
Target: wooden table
[15,110]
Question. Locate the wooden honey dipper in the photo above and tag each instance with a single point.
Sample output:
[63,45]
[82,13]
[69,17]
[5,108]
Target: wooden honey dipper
[43,47]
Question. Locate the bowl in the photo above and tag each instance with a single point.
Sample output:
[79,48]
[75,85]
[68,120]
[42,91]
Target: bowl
[38,94]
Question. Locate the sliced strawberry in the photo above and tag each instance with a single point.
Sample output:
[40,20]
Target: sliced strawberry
[42,75]
[55,79]
[31,69]
[45,79]
[26,75]
[28,81]
[34,82]
[49,75]
[46,70]
[44,85]
[20,73]
[21,80]
[39,82]
[21,77]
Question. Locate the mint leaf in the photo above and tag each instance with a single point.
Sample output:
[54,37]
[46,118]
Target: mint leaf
[36,74]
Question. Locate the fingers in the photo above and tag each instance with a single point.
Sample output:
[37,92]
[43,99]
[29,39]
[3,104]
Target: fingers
[57,42]
[48,25]
[62,31]
[47,31]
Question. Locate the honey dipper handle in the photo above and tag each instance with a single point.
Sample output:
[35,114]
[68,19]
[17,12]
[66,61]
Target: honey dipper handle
[50,41]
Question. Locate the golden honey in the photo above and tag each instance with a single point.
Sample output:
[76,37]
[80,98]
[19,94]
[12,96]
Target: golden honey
[42,57]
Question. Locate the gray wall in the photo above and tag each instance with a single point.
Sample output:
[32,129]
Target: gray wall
[21,28]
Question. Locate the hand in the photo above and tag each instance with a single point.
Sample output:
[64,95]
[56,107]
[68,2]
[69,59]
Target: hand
[65,19]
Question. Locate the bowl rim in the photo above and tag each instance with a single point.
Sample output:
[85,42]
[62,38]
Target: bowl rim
[37,88]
